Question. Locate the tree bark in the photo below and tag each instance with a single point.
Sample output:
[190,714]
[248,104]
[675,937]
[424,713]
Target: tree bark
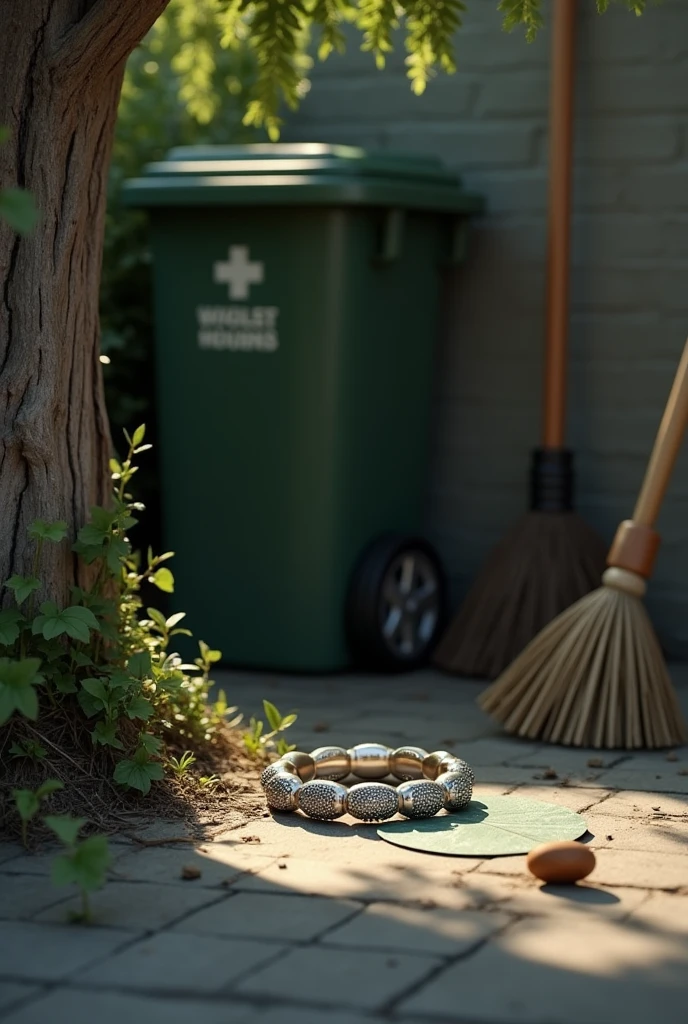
[62,65]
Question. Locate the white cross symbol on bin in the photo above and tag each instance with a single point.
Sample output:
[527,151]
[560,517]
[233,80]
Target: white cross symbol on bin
[237,272]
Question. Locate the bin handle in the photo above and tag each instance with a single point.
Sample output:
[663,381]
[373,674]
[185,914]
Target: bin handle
[392,241]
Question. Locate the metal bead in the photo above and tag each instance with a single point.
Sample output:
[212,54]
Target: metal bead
[420,799]
[274,768]
[322,799]
[431,763]
[331,763]
[407,762]
[451,763]
[281,790]
[457,788]
[372,801]
[370,760]
[304,764]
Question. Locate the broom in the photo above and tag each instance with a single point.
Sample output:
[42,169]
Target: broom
[596,676]
[550,558]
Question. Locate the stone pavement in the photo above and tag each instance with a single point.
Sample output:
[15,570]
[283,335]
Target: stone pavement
[295,922]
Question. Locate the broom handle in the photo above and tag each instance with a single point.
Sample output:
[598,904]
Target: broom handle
[666,448]
[559,222]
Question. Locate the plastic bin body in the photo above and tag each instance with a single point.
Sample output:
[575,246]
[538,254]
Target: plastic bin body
[295,347]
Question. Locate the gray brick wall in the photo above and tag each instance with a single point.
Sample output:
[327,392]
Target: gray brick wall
[629,315]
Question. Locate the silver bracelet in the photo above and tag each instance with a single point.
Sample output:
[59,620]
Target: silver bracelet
[312,782]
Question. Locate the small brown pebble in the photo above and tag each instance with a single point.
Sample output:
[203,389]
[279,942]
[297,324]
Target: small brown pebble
[321,727]
[550,774]
[281,866]
[250,839]
[656,808]
[609,838]
[672,756]
[190,872]
[683,771]
[563,862]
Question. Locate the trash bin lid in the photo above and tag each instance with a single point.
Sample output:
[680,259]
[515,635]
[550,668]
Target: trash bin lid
[307,174]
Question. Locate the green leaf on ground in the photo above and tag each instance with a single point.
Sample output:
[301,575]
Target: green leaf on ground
[491,826]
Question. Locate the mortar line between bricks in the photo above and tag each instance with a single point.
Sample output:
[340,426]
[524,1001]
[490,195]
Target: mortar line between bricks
[450,961]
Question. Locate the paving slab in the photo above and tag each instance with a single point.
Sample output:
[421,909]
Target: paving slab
[138,906]
[569,759]
[638,868]
[174,962]
[13,992]
[576,799]
[613,867]
[422,930]
[361,979]
[22,896]
[280,918]
[666,778]
[40,862]
[516,775]
[41,952]
[585,900]
[634,803]
[71,1006]
[218,864]
[299,1015]
[663,912]
[400,877]
[662,835]
[544,971]
[8,851]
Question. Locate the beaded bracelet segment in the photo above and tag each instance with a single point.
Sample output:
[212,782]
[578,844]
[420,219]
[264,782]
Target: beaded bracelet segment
[311,782]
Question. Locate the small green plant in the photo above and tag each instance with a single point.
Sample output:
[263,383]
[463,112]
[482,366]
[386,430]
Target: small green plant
[209,782]
[258,742]
[180,765]
[84,862]
[31,749]
[28,803]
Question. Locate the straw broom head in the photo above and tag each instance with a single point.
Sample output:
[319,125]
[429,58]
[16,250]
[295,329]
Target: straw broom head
[595,676]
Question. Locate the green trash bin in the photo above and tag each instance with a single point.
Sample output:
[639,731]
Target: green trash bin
[296,308]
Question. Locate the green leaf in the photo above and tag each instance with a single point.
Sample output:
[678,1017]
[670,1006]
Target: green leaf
[140,707]
[9,628]
[163,580]
[138,775]
[151,744]
[89,705]
[116,551]
[105,734]
[62,871]
[29,748]
[90,862]
[26,802]
[491,826]
[139,435]
[23,586]
[81,659]
[75,621]
[64,682]
[157,617]
[96,687]
[17,682]
[42,530]
[272,714]
[175,619]
[139,665]
[18,208]
[287,721]
[65,827]
[48,787]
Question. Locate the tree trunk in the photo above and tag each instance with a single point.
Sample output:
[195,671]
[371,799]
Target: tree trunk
[62,64]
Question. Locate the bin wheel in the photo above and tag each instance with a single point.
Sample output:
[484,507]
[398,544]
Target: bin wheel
[395,605]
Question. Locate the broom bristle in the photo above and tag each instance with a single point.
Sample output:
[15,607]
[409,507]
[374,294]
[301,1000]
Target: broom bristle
[595,677]
[547,562]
